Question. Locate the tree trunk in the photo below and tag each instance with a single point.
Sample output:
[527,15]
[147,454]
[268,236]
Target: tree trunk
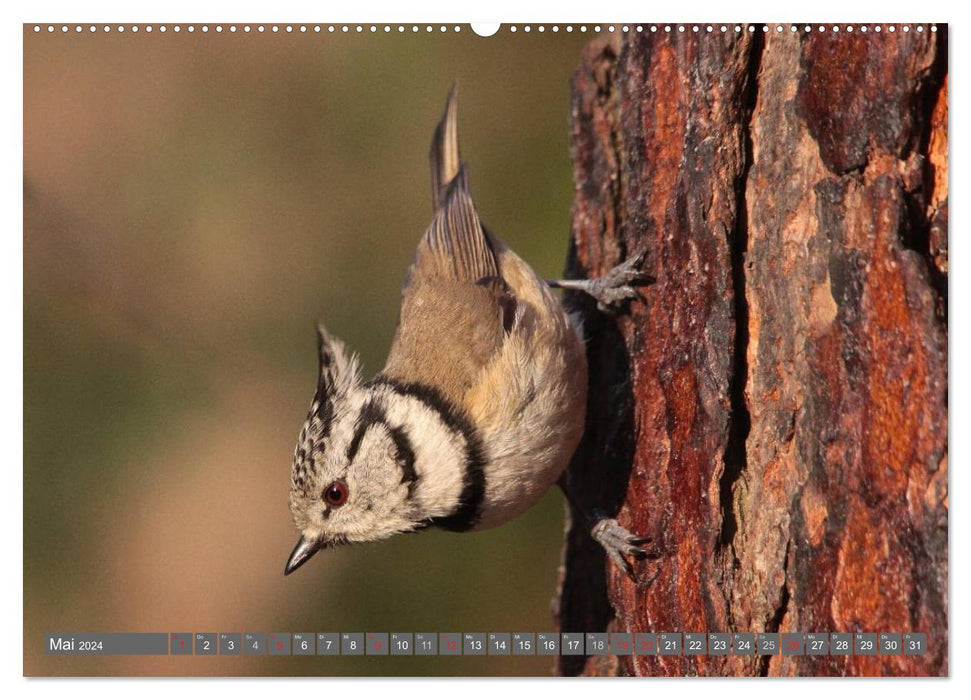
[775,414]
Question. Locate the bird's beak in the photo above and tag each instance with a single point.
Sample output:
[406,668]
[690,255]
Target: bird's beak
[301,553]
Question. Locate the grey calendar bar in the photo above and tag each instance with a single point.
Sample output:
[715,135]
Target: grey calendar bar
[110,644]
[486,644]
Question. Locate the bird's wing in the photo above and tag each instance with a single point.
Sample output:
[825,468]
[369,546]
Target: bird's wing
[455,306]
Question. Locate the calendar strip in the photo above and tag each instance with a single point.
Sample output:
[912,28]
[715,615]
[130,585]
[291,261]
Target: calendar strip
[489,644]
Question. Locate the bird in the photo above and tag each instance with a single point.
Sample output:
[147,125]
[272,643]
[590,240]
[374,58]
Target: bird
[481,403]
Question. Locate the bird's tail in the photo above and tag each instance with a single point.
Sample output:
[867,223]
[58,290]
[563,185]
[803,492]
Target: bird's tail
[446,161]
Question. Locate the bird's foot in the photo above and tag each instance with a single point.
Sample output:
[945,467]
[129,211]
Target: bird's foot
[620,544]
[615,288]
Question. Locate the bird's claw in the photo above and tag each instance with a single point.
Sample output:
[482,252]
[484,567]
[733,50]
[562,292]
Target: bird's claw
[619,543]
[619,284]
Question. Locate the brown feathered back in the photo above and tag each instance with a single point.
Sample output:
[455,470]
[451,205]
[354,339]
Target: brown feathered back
[455,306]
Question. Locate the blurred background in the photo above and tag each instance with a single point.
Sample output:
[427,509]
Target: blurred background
[192,205]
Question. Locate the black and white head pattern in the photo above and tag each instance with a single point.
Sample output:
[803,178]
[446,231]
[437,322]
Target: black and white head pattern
[380,458]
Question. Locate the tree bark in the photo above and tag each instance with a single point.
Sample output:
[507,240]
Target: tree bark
[774,414]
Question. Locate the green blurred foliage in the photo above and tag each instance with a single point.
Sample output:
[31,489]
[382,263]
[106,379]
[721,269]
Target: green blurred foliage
[193,204]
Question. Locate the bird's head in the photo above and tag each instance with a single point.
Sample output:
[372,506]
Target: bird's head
[354,474]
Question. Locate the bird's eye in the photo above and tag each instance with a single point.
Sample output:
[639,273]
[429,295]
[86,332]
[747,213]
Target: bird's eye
[336,494]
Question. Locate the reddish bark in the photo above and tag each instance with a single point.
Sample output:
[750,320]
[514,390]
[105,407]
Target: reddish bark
[775,414]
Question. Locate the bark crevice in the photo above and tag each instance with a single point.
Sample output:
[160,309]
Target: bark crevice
[736,454]
[922,232]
